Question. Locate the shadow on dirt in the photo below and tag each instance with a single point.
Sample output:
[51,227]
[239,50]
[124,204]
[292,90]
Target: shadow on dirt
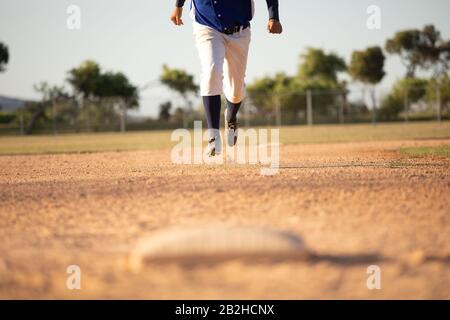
[395,164]
[311,258]
[348,260]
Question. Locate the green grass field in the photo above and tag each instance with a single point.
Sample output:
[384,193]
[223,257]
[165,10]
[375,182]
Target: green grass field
[152,140]
[441,151]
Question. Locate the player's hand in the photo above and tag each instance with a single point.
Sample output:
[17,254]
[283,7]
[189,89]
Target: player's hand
[274,26]
[176,16]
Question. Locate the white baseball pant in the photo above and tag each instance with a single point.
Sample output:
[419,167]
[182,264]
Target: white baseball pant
[223,61]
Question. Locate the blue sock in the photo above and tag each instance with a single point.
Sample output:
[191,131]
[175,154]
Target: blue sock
[212,106]
[233,109]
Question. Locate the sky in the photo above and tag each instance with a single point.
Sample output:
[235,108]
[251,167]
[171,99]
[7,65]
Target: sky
[137,38]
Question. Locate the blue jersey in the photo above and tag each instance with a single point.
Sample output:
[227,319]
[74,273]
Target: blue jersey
[223,15]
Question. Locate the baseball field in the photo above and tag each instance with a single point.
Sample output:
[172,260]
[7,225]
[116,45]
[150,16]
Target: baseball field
[358,196]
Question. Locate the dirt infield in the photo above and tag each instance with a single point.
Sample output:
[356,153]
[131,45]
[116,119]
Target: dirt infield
[354,204]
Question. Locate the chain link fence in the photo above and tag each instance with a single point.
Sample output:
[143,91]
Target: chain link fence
[70,115]
[340,107]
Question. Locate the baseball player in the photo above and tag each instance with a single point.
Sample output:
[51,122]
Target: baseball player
[222,36]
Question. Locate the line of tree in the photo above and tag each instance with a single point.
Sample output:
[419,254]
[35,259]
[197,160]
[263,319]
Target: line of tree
[319,72]
[90,88]
[423,50]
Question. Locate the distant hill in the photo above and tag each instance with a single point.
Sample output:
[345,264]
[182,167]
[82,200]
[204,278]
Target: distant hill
[11,104]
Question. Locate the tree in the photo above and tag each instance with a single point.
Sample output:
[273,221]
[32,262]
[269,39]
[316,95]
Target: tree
[183,83]
[89,81]
[390,108]
[409,90]
[406,44]
[86,78]
[319,66]
[435,51]
[437,59]
[4,56]
[179,116]
[49,92]
[263,90]
[425,49]
[318,72]
[179,81]
[271,95]
[38,110]
[367,66]
[111,84]
[164,111]
[443,86]
[421,49]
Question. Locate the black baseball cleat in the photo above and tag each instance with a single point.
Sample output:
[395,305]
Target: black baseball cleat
[214,147]
[231,131]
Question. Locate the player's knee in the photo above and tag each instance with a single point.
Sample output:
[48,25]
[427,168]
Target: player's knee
[235,98]
[212,79]
[214,73]
[235,94]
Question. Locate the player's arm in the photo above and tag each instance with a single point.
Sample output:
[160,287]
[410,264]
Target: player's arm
[274,25]
[177,13]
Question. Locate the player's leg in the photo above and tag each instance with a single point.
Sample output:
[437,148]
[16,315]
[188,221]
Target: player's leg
[235,66]
[211,48]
